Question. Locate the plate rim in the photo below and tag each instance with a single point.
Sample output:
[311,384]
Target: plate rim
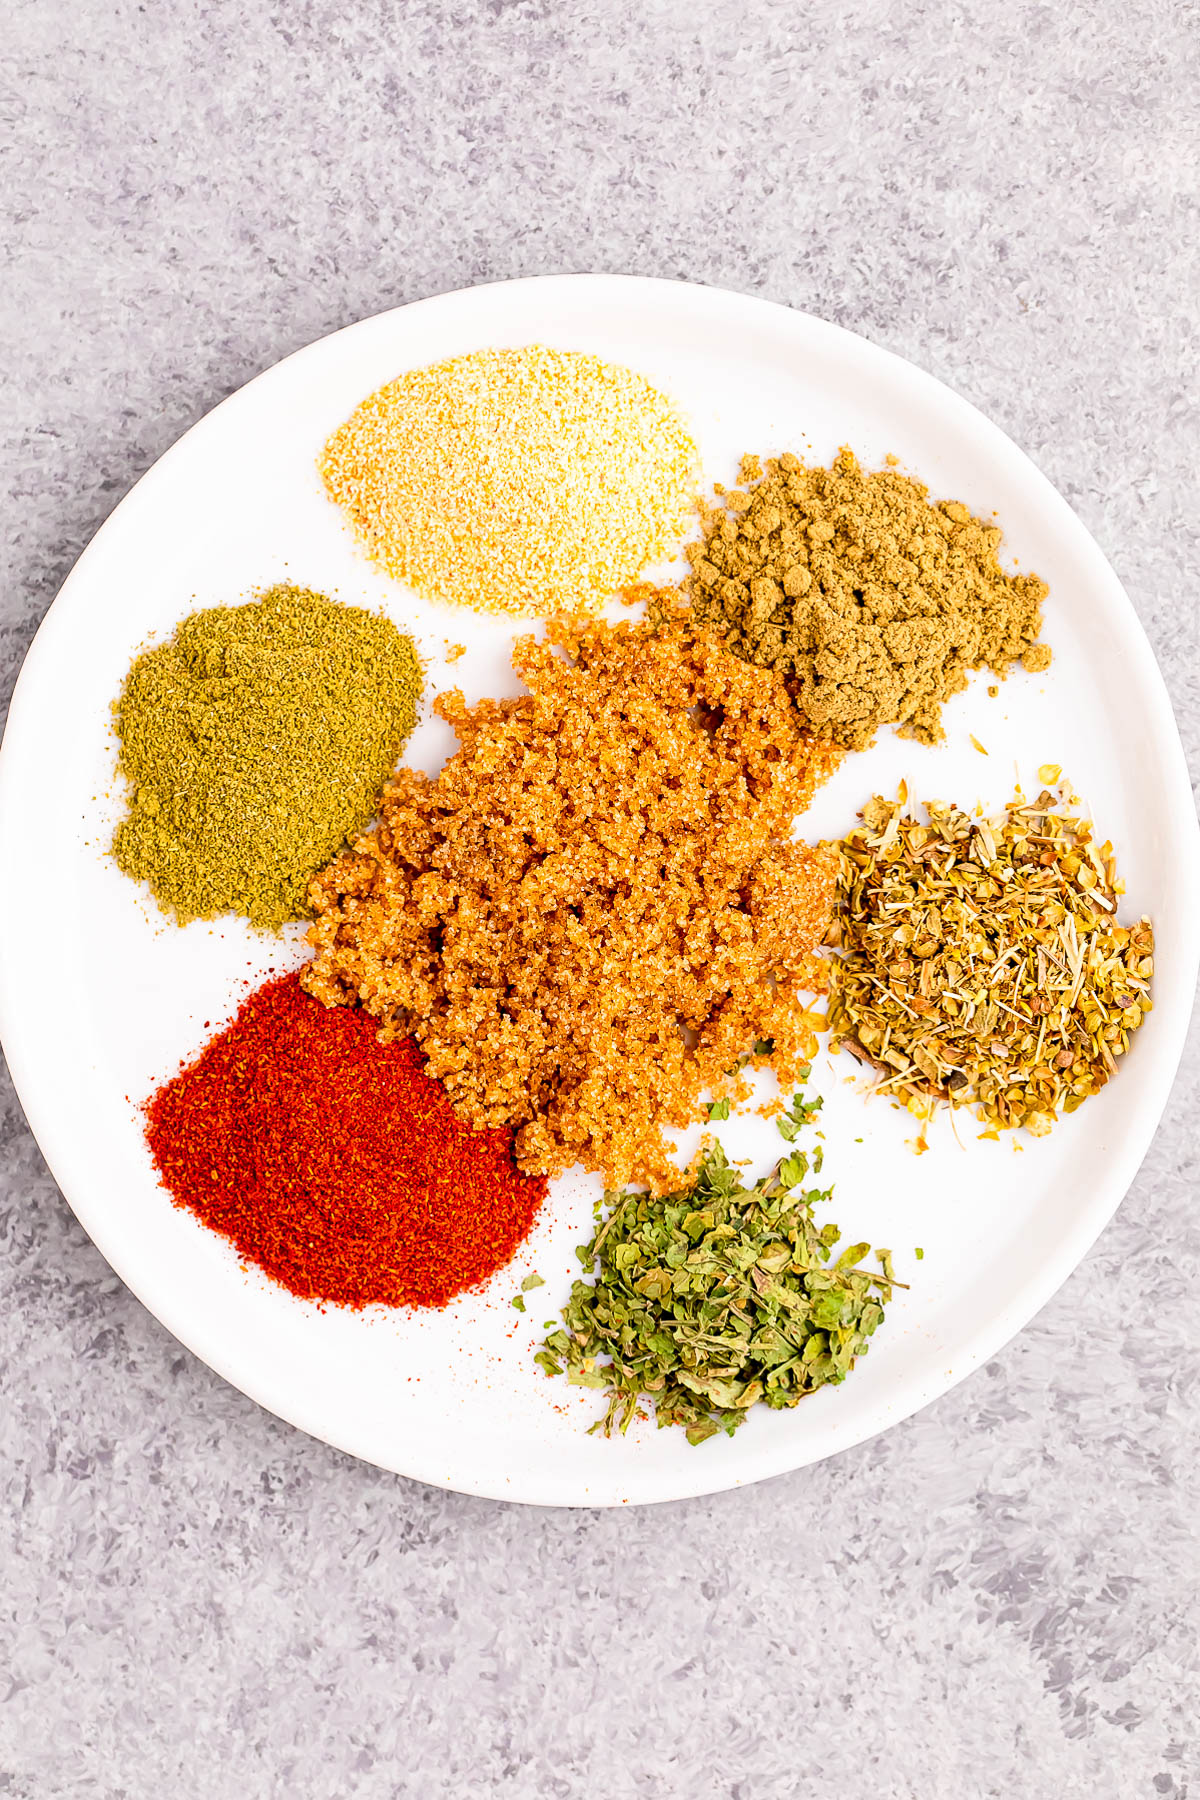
[36,1099]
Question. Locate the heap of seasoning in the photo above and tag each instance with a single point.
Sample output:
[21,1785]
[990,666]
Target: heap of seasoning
[606,860]
[254,744]
[872,601]
[713,1300]
[981,960]
[529,481]
[333,1161]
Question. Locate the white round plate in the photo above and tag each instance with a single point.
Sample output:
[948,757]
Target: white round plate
[100,998]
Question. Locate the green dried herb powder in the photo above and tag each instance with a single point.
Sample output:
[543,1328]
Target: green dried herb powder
[255,743]
[710,1301]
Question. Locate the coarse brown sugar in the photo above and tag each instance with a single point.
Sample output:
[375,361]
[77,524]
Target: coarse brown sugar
[526,481]
[595,910]
[872,601]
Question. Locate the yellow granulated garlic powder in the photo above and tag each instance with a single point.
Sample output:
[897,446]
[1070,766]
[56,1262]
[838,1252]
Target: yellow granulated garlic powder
[520,481]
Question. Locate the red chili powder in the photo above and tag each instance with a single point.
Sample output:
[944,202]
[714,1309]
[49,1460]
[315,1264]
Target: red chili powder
[334,1162]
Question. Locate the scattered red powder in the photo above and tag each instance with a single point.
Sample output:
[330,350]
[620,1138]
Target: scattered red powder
[334,1162]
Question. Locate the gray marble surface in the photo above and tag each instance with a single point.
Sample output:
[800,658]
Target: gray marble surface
[1000,1596]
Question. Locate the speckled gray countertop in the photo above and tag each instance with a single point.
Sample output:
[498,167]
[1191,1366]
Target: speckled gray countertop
[999,1597]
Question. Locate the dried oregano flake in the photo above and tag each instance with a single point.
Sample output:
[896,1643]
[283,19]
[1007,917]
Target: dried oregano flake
[715,1299]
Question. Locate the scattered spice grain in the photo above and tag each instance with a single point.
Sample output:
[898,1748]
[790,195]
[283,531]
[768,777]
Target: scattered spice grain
[593,911]
[981,960]
[334,1162]
[873,602]
[527,481]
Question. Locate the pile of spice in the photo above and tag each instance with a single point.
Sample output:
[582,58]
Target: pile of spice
[716,1299]
[871,601]
[982,961]
[334,1162]
[255,743]
[594,910]
[523,481]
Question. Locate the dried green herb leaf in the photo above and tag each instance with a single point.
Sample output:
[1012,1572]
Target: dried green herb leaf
[718,1109]
[716,1299]
[696,1434]
[530,1282]
[801,1112]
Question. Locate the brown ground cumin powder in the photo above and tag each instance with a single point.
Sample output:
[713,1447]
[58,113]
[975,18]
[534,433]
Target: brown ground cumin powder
[594,911]
[872,601]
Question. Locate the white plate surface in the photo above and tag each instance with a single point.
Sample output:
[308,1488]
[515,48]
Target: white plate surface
[99,998]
